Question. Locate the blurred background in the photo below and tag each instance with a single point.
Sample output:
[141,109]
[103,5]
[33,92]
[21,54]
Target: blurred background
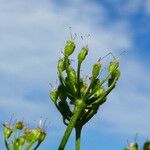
[33,34]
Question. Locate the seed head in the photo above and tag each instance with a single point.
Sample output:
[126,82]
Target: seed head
[83,53]
[96,69]
[113,66]
[19,125]
[69,48]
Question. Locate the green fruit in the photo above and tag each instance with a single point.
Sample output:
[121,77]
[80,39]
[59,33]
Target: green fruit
[7,130]
[54,95]
[69,48]
[96,70]
[19,125]
[83,53]
[113,66]
[146,145]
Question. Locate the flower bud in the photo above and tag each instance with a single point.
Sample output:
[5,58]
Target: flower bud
[42,136]
[146,145]
[35,134]
[82,54]
[32,135]
[69,48]
[113,66]
[96,69]
[27,133]
[7,130]
[71,75]
[54,95]
[61,65]
[19,125]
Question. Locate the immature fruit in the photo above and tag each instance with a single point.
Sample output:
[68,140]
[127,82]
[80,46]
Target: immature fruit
[61,65]
[19,125]
[41,136]
[113,66]
[54,95]
[82,54]
[146,145]
[32,136]
[96,70]
[71,75]
[27,133]
[69,48]
[7,130]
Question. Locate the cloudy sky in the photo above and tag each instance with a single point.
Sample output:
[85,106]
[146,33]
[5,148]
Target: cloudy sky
[32,35]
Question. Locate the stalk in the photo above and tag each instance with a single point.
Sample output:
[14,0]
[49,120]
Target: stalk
[37,145]
[78,137]
[6,144]
[78,78]
[77,113]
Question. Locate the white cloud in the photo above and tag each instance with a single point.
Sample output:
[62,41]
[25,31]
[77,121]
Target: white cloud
[28,38]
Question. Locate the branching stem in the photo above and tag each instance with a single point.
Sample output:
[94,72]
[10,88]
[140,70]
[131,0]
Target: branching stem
[78,137]
[77,112]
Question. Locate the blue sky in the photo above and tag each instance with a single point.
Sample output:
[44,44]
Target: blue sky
[32,34]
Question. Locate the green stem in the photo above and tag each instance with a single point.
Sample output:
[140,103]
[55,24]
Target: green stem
[38,144]
[77,113]
[78,78]
[6,144]
[78,137]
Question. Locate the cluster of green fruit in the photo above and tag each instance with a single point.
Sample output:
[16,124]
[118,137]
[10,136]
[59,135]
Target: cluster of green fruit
[18,137]
[76,100]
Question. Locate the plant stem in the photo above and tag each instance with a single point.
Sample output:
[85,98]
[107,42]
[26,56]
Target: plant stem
[77,112]
[78,78]
[6,144]
[78,137]
[37,145]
